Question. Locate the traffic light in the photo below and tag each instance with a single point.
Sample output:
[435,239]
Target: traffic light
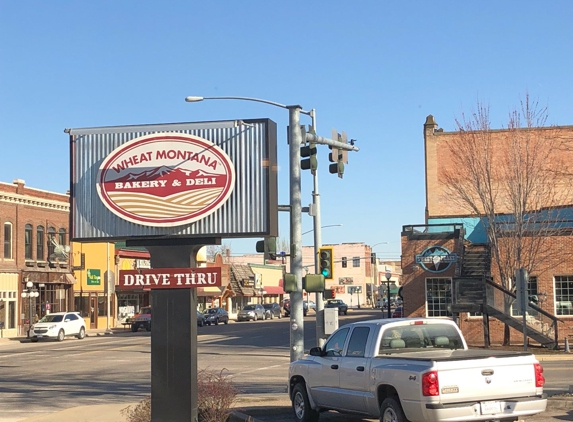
[268,246]
[329,294]
[310,163]
[373,258]
[338,156]
[289,284]
[326,256]
[313,283]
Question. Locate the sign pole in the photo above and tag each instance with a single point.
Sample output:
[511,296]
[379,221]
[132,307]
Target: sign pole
[174,340]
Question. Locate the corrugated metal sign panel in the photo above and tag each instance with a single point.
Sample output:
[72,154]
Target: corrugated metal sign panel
[250,211]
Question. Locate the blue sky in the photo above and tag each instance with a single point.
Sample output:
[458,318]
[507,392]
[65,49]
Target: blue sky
[374,69]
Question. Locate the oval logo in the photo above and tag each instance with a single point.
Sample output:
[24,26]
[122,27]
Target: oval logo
[165,179]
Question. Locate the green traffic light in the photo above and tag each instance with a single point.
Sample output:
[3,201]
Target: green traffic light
[325,272]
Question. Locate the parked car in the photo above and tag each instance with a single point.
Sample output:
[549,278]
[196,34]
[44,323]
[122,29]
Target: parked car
[215,316]
[272,310]
[251,312]
[398,312]
[337,303]
[200,319]
[58,326]
[286,307]
[311,305]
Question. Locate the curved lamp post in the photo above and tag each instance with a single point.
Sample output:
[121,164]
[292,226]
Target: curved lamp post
[322,227]
[295,142]
[30,293]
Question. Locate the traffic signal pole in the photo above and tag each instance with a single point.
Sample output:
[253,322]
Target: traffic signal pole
[319,300]
[296,314]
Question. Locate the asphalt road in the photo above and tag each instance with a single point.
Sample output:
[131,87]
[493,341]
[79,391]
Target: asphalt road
[50,376]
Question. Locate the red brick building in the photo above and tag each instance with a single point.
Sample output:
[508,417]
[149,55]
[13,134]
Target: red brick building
[447,265]
[34,248]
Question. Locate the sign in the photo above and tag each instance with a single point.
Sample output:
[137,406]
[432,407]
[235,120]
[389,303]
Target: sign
[165,180]
[170,278]
[94,277]
[436,259]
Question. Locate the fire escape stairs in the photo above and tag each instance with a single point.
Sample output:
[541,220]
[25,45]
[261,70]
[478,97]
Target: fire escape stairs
[470,292]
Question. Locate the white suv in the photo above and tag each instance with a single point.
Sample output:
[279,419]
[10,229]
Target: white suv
[59,325]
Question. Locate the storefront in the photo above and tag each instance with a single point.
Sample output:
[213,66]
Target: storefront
[8,304]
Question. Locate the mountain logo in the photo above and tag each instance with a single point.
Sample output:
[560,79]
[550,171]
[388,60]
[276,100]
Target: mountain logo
[165,179]
[436,259]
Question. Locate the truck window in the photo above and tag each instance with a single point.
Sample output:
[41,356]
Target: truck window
[421,336]
[335,344]
[357,344]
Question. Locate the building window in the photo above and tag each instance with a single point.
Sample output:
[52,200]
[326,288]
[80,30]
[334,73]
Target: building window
[439,297]
[532,297]
[62,237]
[564,295]
[344,262]
[7,240]
[40,243]
[28,242]
[51,240]
[356,262]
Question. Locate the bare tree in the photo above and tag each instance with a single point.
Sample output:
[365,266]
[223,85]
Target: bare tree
[223,249]
[512,179]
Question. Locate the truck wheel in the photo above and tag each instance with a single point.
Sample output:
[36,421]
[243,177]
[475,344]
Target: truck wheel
[148,327]
[391,411]
[301,405]
[134,328]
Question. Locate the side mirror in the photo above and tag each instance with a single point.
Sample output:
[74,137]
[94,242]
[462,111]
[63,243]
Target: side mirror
[316,351]
[67,320]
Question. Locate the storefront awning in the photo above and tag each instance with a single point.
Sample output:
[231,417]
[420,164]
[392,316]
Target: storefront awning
[273,290]
[70,279]
[208,291]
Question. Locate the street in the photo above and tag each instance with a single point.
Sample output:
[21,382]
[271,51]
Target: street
[50,376]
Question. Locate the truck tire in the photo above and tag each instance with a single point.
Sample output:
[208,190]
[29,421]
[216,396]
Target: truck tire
[148,327]
[391,411]
[301,405]
[134,328]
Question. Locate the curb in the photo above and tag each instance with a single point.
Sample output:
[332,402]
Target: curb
[560,403]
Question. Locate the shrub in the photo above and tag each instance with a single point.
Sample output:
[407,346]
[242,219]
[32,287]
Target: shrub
[215,397]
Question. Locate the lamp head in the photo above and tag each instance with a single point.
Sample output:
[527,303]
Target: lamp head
[29,284]
[192,99]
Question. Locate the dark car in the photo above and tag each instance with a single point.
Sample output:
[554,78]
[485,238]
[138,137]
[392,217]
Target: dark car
[200,319]
[398,312]
[337,303]
[215,316]
[272,310]
[286,306]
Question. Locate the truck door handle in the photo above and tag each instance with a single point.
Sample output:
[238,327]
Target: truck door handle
[333,366]
[360,368]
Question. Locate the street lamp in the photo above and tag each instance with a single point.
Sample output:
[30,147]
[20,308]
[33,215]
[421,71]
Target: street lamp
[295,142]
[388,275]
[30,293]
[322,227]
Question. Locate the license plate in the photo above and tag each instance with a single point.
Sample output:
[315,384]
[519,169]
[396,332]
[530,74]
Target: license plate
[490,407]
[40,336]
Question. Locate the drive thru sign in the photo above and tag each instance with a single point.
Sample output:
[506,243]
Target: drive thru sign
[170,278]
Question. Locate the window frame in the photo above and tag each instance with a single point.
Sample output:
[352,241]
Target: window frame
[29,242]
[40,238]
[441,313]
[8,240]
[355,262]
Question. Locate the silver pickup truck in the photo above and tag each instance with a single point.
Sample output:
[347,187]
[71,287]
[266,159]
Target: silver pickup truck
[414,369]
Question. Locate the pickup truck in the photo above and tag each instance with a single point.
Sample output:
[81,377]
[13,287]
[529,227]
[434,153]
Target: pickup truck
[414,369]
[142,319]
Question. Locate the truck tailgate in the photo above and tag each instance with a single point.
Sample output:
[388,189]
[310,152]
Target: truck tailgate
[486,378]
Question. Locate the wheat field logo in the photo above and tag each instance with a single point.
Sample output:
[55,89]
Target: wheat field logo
[165,180]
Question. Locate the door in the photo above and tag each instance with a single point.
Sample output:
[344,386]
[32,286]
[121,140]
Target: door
[324,378]
[354,385]
[93,312]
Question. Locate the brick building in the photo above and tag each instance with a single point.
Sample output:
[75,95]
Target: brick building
[34,249]
[447,264]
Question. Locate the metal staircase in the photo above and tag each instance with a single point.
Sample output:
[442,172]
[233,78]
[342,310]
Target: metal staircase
[474,291]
